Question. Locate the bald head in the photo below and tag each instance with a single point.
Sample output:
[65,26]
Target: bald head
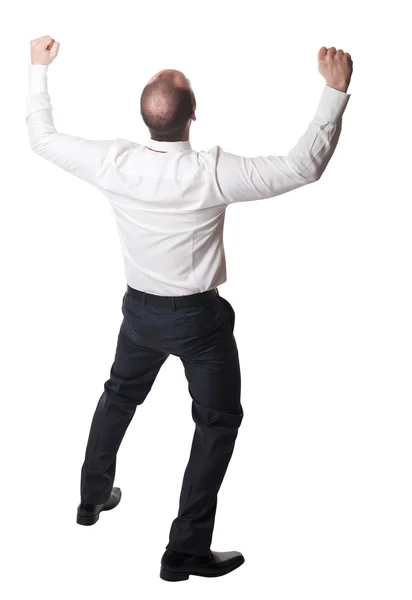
[167,104]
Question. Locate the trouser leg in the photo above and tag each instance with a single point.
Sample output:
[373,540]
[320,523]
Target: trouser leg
[215,385]
[132,375]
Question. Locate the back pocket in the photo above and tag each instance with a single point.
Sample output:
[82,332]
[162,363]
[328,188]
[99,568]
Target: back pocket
[198,315]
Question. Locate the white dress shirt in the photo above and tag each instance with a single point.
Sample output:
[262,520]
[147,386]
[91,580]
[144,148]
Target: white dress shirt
[169,201]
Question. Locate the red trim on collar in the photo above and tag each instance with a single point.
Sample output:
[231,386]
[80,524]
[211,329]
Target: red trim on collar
[163,151]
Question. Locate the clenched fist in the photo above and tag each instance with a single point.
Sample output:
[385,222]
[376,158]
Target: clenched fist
[43,50]
[336,67]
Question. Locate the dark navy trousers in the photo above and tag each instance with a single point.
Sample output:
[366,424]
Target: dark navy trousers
[202,337]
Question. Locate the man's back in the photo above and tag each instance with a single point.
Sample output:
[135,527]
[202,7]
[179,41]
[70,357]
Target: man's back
[170,216]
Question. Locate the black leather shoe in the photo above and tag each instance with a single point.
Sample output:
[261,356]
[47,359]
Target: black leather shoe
[176,566]
[88,514]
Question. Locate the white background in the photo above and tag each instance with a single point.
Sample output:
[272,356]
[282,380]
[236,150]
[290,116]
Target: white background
[318,494]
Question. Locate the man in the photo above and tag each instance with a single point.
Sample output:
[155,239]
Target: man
[169,202]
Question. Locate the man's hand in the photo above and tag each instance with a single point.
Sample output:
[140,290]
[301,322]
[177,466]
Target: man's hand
[43,50]
[336,67]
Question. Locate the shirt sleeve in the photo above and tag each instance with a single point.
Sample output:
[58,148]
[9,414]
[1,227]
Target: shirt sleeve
[240,179]
[80,157]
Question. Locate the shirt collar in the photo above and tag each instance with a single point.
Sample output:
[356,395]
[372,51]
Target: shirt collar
[168,146]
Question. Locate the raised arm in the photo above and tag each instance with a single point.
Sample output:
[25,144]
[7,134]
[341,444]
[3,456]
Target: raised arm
[80,157]
[240,179]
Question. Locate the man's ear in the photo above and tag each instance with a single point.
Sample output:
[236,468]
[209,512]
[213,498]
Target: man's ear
[193,116]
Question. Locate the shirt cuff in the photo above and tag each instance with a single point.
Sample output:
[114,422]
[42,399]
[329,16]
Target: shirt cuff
[38,79]
[332,105]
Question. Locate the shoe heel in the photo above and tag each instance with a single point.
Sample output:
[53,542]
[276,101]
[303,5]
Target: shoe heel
[169,576]
[87,520]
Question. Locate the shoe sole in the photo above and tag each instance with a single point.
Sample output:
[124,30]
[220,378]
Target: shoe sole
[92,519]
[176,576]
